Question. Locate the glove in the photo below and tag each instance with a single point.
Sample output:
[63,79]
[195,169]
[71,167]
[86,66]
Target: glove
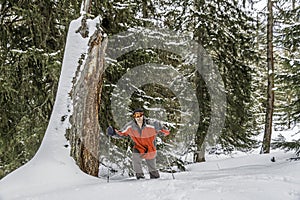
[111,131]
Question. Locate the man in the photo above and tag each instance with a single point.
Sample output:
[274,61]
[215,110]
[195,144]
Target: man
[143,132]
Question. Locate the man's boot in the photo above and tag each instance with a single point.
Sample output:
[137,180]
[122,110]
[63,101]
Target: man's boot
[140,176]
[154,174]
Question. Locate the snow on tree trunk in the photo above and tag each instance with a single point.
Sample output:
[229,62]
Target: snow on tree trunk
[87,6]
[85,131]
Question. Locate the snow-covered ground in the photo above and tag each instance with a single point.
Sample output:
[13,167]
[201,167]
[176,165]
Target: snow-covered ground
[247,177]
[53,175]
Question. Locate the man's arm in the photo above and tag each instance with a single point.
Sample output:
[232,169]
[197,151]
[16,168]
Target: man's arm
[165,132]
[125,131]
[161,129]
[111,131]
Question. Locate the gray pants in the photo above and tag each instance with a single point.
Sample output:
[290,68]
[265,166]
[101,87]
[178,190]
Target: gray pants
[137,165]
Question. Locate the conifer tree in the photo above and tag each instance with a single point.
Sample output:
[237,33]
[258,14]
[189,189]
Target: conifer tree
[287,45]
[225,30]
[270,90]
[32,38]
[287,42]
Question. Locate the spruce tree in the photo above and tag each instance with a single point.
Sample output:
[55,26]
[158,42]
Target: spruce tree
[32,38]
[287,42]
[226,30]
[287,45]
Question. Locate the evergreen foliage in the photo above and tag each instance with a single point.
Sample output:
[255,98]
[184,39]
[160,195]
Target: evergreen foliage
[281,143]
[32,38]
[287,43]
[225,30]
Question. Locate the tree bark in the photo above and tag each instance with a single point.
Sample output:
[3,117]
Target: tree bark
[199,154]
[270,97]
[87,6]
[85,130]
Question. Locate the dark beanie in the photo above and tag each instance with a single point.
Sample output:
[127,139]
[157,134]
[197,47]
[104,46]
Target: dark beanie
[138,110]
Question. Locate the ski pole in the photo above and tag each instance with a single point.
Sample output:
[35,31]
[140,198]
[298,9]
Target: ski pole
[108,170]
[169,164]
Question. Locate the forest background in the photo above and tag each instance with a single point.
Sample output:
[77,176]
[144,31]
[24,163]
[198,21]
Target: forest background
[234,33]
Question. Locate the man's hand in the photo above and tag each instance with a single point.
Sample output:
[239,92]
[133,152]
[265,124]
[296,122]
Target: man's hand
[111,131]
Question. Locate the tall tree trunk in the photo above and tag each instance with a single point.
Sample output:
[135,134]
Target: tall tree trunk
[87,5]
[270,98]
[85,131]
[199,154]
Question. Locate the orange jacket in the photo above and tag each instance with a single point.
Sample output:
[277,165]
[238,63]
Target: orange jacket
[144,138]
